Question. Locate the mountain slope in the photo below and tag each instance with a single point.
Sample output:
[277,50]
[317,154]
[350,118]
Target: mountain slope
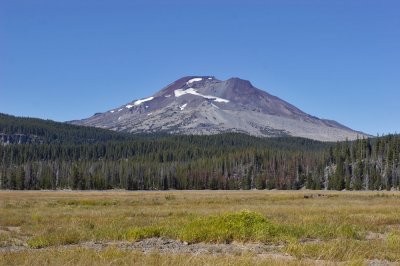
[206,105]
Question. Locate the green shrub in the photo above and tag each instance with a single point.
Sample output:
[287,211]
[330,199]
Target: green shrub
[393,241]
[240,226]
[142,233]
[38,242]
[67,237]
[350,232]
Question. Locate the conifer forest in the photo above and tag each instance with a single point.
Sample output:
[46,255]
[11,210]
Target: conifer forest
[37,154]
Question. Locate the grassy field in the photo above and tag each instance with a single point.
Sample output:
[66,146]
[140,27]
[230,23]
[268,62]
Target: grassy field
[205,227]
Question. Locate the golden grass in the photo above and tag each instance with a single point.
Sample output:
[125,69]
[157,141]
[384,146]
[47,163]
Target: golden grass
[112,256]
[332,226]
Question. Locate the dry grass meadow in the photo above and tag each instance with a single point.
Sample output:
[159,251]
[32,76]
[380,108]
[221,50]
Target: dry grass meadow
[199,228]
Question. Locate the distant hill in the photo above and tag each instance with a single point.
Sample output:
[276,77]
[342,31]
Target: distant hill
[22,130]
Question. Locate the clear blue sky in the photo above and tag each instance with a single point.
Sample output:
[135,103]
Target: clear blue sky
[67,59]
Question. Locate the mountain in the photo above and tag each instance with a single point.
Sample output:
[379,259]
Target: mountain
[206,105]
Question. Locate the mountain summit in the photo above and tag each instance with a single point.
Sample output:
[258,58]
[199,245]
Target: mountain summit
[205,105]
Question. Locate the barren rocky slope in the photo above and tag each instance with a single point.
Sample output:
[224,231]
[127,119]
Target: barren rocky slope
[206,105]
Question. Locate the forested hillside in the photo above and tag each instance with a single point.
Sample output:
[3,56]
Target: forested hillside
[21,130]
[86,158]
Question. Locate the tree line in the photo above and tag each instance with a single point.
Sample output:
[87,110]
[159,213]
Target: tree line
[228,161]
[365,164]
[73,157]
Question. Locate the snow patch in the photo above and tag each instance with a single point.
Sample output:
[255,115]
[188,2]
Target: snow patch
[183,107]
[112,111]
[129,106]
[149,113]
[181,92]
[192,91]
[220,100]
[120,110]
[209,78]
[169,95]
[143,100]
[194,80]
[147,106]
